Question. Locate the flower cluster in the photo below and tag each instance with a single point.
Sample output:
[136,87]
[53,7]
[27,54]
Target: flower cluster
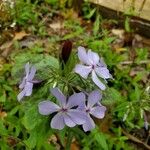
[79,108]
[72,111]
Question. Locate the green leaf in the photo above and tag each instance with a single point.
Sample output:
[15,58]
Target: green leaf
[4,145]
[31,117]
[52,2]
[90,14]
[101,139]
[14,110]
[62,134]
[3,97]
[31,141]
[3,130]
[86,148]
[73,34]
[70,64]
[47,61]
[43,135]
[40,61]
[127,24]
[96,25]
[112,96]
[7,88]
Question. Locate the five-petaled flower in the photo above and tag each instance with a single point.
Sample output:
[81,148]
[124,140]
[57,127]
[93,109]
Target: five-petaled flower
[66,112]
[92,107]
[27,82]
[91,63]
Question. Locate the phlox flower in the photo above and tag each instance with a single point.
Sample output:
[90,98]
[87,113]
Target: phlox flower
[91,63]
[92,107]
[27,82]
[67,114]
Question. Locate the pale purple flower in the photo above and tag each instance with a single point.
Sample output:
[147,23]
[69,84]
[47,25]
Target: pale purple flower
[91,63]
[66,112]
[27,82]
[94,108]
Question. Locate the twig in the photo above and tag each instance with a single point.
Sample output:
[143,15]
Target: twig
[141,8]
[134,139]
[131,62]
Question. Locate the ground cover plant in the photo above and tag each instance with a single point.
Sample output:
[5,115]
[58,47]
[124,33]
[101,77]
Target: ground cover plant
[71,79]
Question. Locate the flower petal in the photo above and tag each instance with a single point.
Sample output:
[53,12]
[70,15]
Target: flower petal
[97,81]
[83,55]
[59,95]
[21,86]
[76,99]
[47,107]
[28,88]
[102,63]
[82,106]
[82,70]
[27,67]
[21,95]
[68,121]
[98,104]
[89,125]
[79,117]
[32,73]
[36,81]
[103,72]
[93,98]
[93,57]
[57,121]
[98,112]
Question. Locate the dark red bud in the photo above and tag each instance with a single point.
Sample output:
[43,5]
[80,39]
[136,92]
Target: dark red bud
[66,50]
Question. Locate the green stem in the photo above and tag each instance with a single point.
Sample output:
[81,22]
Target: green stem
[83,82]
[69,140]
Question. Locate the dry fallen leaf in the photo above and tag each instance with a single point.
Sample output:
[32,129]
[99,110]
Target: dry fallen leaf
[54,140]
[105,124]
[134,71]
[75,146]
[7,50]
[56,25]
[122,49]
[7,47]
[118,32]
[3,114]
[20,35]
[12,141]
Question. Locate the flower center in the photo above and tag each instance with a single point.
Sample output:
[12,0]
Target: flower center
[93,67]
[87,110]
[64,109]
